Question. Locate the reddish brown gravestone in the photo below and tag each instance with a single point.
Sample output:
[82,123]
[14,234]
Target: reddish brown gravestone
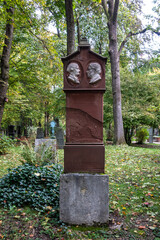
[84,85]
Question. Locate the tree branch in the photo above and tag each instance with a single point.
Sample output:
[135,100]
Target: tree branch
[110,9]
[42,41]
[130,34]
[156,32]
[58,30]
[115,13]
[57,27]
[104,5]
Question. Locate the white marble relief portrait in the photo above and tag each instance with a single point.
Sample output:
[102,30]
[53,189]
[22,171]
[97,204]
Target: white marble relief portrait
[93,72]
[74,71]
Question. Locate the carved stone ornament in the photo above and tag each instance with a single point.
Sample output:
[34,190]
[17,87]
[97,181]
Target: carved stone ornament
[74,71]
[93,72]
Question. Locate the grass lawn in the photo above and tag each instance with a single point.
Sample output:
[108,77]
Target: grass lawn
[134,177]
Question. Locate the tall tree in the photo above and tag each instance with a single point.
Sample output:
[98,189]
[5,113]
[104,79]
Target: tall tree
[4,75]
[111,12]
[70,26]
[111,8]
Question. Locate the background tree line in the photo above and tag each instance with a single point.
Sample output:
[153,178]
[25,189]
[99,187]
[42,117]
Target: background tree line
[31,79]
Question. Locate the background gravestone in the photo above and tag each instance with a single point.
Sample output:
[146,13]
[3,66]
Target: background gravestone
[40,133]
[59,134]
[19,131]
[42,143]
[151,135]
[11,131]
[59,137]
[45,144]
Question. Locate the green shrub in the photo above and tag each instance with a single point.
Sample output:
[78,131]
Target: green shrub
[5,143]
[37,187]
[43,156]
[142,135]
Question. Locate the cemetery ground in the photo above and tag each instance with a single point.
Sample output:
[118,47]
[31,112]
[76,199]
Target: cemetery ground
[134,176]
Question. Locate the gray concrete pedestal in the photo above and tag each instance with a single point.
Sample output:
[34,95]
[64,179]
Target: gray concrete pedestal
[84,198]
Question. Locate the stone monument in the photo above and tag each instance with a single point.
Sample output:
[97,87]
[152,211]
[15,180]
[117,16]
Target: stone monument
[151,135]
[58,133]
[44,144]
[40,133]
[84,192]
[59,137]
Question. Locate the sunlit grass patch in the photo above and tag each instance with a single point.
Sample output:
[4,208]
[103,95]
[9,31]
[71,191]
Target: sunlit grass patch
[134,180]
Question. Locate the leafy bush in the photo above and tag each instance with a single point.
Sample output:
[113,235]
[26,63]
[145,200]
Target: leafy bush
[5,143]
[43,156]
[37,187]
[142,135]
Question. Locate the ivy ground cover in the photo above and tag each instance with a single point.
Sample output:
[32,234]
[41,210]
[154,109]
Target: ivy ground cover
[134,176]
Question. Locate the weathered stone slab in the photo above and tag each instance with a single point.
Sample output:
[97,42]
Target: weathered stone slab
[46,143]
[84,198]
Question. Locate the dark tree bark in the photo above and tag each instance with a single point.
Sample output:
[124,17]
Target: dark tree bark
[58,31]
[70,27]
[4,75]
[111,12]
[78,29]
[46,120]
[46,125]
[100,48]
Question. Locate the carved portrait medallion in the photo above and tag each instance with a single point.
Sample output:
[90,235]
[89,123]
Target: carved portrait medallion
[93,72]
[73,71]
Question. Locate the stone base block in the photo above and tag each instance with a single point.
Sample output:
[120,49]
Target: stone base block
[84,198]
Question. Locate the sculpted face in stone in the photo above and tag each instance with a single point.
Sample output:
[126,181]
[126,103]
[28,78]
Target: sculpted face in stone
[74,71]
[93,72]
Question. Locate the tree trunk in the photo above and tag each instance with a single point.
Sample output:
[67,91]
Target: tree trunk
[70,27]
[46,125]
[5,61]
[116,89]
[114,59]
[78,30]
